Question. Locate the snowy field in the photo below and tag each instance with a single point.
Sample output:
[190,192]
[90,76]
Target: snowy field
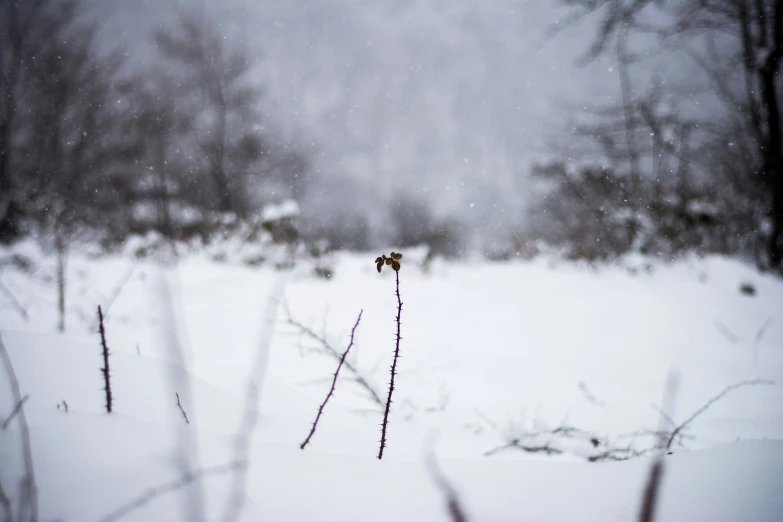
[515,375]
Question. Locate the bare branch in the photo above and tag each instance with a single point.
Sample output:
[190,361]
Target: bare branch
[334,383]
[453,504]
[247,426]
[182,410]
[712,401]
[14,301]
[360,380]
[16,410]
[759,336]
[28,482]
[170,487]
[650,497]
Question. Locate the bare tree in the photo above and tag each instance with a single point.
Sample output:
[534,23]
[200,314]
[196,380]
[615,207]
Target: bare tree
[218,76]
[69,132]
[17,21]
[750,35]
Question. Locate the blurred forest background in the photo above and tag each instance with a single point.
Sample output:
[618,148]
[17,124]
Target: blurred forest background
[590,128]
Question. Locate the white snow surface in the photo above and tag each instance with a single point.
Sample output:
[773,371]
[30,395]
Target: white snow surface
[490,352]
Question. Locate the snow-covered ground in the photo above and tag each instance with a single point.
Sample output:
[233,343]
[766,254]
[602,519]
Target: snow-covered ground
[495,356]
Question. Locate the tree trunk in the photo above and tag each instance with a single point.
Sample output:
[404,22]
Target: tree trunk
[225,199]
[61,273]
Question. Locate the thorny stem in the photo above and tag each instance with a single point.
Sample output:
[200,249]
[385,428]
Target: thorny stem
[105,369]
[331,351]
[334,383]
[393,370]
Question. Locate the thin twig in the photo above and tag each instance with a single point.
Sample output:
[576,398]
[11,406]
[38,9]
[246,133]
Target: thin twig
[361,381]
[28,482]
[712,401]
[665,416]
[116,293]
[393,371]
[726,332]
[8,512]
[105,369]
[236,499]
[169,487]
[549,450]
[334,383]
[453,504]
[14,301]
[16,410]
[759,336]
[182,410]
[592,399]
[650,496]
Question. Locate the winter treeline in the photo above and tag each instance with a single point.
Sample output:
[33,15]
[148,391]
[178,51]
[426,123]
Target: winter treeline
[676,165]
[90,148]
[94,147]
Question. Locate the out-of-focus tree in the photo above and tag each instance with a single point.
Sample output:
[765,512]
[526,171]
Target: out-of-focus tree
[239,151]
[415,225]
[68,133]
[20,31]
[721,37]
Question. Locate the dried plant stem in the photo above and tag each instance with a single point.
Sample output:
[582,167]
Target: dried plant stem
[334,382]
[16,410]
[453,504]
[29,488]
[116,293]
[169,487]
[182,410]
[393,370]
[5,502]
[14,301]
[712,401]
[105,369]
[651,489]
[759,336]
[236,500]
[361,381]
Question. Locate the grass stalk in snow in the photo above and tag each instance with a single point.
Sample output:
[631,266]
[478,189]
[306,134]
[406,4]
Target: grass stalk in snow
[169,487]
[5,503]
[179,405]
[650,496]
[14,301]
[683,425]
[16,410]
[28,503]
[105,369]
[453,504]
[334,382]
[357,377]
[237,497]
[394,261]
